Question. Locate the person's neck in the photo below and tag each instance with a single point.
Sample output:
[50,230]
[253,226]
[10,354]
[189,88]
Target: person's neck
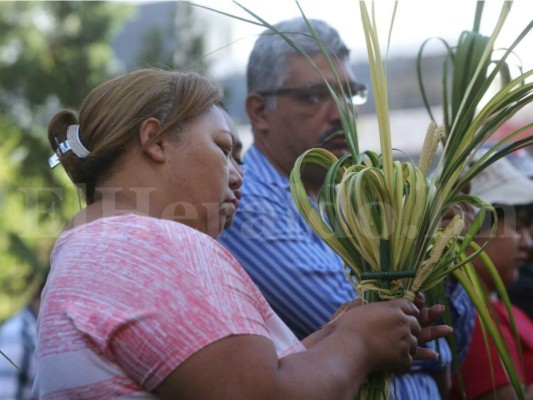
[311,183]
[109,205]
[489,288]
[270,155]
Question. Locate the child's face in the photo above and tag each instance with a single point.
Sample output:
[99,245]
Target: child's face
[507,250]
[524,218]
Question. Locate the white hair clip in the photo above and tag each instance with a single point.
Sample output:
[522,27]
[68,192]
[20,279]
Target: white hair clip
[73,143]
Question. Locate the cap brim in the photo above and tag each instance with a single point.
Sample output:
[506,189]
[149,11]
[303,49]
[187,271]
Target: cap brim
[515,192]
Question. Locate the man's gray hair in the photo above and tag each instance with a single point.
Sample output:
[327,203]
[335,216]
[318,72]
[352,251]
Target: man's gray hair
[268,64]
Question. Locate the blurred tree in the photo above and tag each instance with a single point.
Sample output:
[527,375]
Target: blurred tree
[188,35]
[51,55]
[175,39]
[153,52]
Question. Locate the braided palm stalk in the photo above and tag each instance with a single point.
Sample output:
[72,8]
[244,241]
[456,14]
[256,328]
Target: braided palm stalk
[383,216]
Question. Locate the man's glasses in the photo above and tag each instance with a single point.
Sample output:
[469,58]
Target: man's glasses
[317,94]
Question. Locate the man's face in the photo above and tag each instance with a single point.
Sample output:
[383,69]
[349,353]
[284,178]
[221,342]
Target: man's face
[305,116]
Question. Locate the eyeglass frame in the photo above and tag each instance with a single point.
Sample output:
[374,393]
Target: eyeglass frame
[355,90]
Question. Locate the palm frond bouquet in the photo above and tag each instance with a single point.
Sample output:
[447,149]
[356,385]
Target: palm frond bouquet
[383,217]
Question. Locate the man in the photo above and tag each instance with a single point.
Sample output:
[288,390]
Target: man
[291,111]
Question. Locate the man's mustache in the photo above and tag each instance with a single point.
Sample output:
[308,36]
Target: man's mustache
[329,135]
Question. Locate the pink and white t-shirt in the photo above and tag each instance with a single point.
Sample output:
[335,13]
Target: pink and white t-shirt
[130,298]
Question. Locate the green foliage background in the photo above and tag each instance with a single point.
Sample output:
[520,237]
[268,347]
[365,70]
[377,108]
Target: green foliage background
[52,53]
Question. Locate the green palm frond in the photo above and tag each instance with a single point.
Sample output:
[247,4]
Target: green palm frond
[382,216]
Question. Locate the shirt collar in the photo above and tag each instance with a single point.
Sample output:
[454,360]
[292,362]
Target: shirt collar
[257,165]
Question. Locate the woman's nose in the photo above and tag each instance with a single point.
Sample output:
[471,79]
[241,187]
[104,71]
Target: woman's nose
[235,174]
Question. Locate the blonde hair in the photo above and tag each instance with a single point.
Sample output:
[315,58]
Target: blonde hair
[110,117]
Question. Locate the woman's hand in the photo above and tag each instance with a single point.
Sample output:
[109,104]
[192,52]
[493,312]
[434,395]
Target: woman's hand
[426,317]
[386,332]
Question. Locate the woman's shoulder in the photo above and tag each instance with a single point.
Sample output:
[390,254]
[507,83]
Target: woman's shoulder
[128,236]
[148,244]
[128,226]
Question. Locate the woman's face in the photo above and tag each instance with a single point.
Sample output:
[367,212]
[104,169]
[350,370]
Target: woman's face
[236,153]
[201,175]
[507,250]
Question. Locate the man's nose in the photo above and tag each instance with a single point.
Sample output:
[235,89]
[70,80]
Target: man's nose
[333,113]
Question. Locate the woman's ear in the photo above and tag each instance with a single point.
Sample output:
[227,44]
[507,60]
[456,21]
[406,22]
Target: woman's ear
[256,109]
[151,144]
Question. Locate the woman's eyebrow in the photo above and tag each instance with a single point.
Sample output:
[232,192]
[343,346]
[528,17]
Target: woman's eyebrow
[228,133]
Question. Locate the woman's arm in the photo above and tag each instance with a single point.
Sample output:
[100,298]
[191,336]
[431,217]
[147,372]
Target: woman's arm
[374,337]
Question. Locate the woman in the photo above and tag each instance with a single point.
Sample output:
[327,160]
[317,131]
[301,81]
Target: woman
[236,154]
[142,302]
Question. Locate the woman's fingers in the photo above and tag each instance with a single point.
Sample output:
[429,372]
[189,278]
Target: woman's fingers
[423,353]
[429,315]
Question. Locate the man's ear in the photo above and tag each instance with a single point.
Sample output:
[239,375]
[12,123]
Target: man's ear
[151,145]
[256,108]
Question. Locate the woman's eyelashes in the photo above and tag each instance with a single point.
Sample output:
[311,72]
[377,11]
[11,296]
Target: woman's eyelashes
[226,147]
[225,143]
[226,150]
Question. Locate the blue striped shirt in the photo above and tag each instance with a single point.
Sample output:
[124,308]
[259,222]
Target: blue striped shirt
[301,277]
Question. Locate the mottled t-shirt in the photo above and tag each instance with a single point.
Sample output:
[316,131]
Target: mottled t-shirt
[130,298]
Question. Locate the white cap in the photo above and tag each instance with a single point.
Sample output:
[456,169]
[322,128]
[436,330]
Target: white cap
[522,159]
[503,183]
